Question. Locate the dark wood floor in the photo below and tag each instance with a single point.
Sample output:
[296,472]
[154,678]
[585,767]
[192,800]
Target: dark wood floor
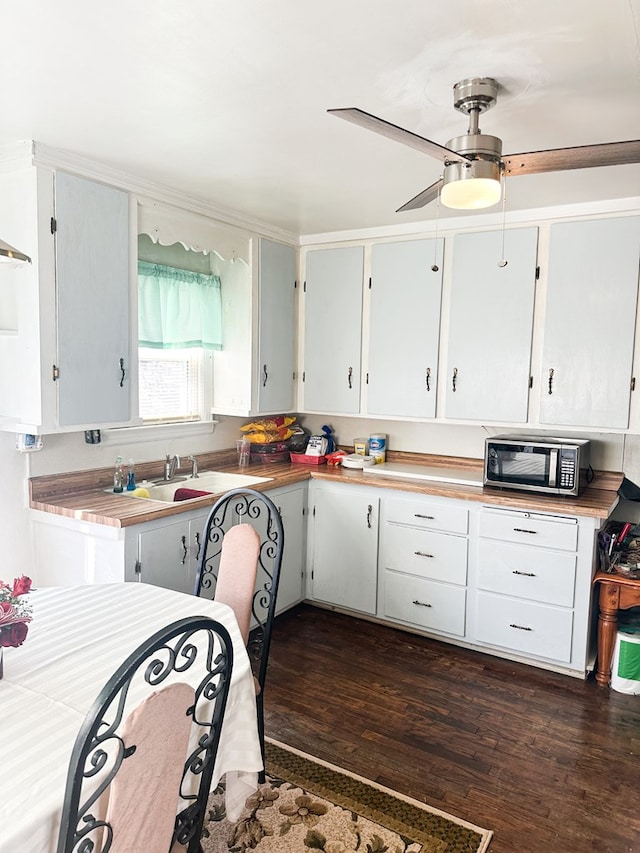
[549,762]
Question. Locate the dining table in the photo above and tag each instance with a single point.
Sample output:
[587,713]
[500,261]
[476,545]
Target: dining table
[77,638]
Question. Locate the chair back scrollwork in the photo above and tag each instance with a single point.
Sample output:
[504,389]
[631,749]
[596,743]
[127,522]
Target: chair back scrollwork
[247,506]
[196,650]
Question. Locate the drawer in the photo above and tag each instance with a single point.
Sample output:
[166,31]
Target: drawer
[531,573]
[522,626]
[435,516]
[438,556]
[528,528]
[425,603]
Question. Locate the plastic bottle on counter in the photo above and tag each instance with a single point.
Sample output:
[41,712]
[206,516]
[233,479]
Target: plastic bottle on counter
[378,446]
[118,476]
[131,476]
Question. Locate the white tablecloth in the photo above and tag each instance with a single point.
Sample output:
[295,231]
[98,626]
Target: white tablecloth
[77,639]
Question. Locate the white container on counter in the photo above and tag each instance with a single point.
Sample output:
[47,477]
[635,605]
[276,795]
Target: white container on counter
[378,446]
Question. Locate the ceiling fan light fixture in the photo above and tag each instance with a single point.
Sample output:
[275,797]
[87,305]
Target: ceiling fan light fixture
[471,185]
[8,254]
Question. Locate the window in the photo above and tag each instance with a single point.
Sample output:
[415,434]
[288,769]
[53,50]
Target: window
[179,326]
[171,384]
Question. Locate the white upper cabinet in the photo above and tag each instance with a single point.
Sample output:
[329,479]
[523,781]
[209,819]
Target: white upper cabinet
[333,330]
[590,321]
[406,290]
[65,324]
[277,273]
[92,278]
[491,324]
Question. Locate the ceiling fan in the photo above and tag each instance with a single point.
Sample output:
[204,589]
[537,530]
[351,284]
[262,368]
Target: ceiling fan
[474,164]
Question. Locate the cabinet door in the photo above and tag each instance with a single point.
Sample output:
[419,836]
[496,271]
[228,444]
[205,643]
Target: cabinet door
[490,329]
[332,330]
[590,321]
[291,507]
[404,328]
[345,549]
[92,281]
[163,553]
[276,327]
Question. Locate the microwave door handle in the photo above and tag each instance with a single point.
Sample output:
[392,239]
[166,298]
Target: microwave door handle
[553,468]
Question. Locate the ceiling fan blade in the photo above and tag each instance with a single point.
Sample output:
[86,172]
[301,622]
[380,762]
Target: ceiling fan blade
[423,198]
[580,157]
[398,134]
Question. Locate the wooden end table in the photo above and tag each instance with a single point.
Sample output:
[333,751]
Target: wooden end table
[616,593]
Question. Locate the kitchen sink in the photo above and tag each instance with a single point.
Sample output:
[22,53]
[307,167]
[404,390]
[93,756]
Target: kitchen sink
[212,482]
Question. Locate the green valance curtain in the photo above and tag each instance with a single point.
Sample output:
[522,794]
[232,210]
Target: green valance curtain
[178,308]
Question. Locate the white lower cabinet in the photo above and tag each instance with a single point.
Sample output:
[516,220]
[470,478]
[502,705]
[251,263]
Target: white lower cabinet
[507,582]
[511,583]
[534,585]
[164,552]
[423,563]
[291,503]
[525,627]
[344,546]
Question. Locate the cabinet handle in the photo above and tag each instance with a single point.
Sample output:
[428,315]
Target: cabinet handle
[422,554]
[121,372]
[349,375]
[524,530]
[185,550]
[524,574]
[428,378]
[520,627]
[198,546]
[551,372]
[369,511]
[421,603]
[454,378]
[418,515]
[265,375]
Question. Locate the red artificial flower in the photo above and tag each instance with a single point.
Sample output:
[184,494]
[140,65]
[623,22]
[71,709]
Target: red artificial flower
[21,585]
[14,635]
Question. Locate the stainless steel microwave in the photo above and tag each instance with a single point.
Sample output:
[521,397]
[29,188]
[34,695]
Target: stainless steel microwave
[555,466]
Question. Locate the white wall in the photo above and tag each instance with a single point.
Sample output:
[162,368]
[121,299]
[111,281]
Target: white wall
[609,452]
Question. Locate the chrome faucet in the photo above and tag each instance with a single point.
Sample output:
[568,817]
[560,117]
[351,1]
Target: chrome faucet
[170,465]
[194,466]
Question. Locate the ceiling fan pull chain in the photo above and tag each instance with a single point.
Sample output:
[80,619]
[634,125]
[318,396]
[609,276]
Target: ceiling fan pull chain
[503,261]
[435,266]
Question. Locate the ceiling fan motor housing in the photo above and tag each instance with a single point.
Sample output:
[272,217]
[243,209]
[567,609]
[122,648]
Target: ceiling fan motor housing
[480,144]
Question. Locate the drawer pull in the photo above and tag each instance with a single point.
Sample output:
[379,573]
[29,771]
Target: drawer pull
[524,574]
[421,603]
[418,515]
[523,530]
[520,627]
[422,554]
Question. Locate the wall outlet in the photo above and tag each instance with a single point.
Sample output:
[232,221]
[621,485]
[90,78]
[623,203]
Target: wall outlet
[25,442]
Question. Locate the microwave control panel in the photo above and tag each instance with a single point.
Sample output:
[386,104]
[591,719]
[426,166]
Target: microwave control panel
[567,469]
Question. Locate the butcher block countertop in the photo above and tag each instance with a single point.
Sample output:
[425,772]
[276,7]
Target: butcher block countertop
[80,495]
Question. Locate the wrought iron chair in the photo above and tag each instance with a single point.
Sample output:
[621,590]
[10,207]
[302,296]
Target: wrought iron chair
[238,507]
[132,770]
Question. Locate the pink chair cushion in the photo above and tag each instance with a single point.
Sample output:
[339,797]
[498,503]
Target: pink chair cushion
[237,573]
[143,797]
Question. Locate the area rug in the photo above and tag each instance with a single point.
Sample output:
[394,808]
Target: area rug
[307,804]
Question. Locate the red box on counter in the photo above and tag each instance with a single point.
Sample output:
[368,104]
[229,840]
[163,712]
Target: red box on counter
[304,459]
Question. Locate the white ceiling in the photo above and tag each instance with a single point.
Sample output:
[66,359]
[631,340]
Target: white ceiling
[226,100]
